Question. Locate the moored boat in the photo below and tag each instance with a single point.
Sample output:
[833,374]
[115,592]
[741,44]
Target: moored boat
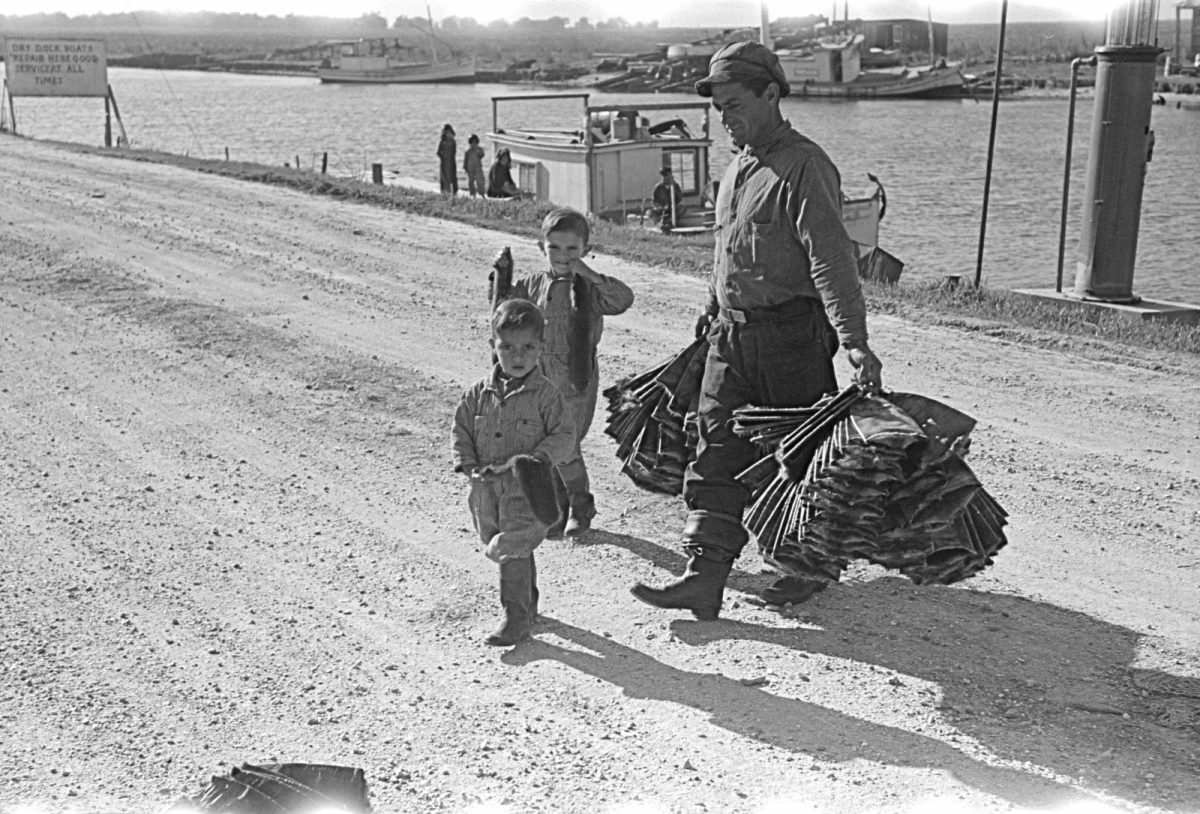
[834,69]
[378,61]
[609,166]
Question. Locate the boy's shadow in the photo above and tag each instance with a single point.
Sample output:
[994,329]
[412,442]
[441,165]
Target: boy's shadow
[1030,681]
[785,723]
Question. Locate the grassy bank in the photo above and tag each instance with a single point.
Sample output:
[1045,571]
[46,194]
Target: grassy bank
[1098,333]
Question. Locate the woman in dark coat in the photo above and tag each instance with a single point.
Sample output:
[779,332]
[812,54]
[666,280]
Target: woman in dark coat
[500,181]
[448,175]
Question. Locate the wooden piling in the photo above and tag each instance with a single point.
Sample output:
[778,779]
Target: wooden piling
[324,162]
[376,173]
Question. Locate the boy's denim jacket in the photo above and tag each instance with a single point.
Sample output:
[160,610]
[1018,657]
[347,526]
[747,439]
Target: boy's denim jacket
[489,428]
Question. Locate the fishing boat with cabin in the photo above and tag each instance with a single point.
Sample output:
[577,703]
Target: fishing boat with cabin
[380,60]
[609,163]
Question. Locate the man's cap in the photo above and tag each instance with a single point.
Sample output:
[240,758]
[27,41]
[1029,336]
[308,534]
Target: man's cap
[741,61]
[665,171]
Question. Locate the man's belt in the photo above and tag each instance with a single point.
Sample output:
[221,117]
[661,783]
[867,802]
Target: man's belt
[791,309]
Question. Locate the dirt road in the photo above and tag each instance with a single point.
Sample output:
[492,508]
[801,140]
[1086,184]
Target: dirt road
[230,533]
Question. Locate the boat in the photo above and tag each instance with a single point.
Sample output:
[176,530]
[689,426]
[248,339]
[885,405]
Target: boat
[829,65]
[381,61]
[834,69]
[609,165]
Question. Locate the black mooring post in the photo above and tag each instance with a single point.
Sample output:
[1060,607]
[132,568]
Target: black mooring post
[987,178]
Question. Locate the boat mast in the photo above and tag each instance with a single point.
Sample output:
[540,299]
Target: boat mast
[432,39]
[932,50]
[764,29]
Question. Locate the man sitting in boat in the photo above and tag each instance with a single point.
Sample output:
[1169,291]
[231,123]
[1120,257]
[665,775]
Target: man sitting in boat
[668,200]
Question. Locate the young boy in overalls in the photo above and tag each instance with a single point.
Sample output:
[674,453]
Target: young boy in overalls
[506,428]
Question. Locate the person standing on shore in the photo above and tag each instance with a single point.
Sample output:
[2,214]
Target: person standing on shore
[448,166]
[473,166]
[668,199]
[784,289]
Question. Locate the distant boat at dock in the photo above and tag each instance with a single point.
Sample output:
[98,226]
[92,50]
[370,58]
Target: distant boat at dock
[374,62]
[826,63]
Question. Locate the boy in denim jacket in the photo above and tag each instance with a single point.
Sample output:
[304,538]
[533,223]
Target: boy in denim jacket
[513,416]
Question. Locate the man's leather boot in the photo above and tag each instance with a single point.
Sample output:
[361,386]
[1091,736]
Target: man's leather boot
[792,590]
[714,540]
[699,589]
[516,597]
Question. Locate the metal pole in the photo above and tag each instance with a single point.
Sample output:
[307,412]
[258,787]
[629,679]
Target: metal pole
[1118,154]
[1066,196]
[987,179]
[107,123]
[12,111]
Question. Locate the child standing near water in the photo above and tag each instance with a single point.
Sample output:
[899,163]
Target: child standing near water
[509,430]
[473,166]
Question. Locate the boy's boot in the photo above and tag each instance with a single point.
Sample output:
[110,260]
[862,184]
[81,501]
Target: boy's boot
[583,509]
[713,540]
[516,597]
[581,504]
[555,532]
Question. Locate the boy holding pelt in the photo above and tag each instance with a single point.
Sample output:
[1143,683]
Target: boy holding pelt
[574,299]
[510,429]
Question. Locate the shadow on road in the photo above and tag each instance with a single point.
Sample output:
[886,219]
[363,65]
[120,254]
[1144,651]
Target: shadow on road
[784,723]
[1032,683]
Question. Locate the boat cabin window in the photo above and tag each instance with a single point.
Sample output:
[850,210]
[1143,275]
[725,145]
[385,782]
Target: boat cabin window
[685,166]
[526,176]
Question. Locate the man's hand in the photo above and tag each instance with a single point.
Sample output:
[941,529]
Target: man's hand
[868,370]
[703,323]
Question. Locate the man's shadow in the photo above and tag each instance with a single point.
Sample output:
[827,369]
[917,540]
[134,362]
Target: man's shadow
[784,723]
[1031,682]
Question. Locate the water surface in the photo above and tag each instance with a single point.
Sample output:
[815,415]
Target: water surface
[930,155]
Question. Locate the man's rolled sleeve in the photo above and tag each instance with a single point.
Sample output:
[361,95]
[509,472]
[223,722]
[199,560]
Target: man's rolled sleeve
[832,255]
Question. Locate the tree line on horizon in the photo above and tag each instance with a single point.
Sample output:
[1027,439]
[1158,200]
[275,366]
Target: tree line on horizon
[554,38]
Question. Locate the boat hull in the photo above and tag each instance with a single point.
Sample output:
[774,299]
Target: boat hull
[394,76]
[945,84]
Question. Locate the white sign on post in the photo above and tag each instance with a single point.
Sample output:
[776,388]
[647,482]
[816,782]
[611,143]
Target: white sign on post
[55,67]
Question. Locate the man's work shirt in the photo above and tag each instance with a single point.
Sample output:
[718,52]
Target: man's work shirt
[779,234]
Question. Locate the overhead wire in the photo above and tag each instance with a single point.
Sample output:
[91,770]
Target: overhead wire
[186,120]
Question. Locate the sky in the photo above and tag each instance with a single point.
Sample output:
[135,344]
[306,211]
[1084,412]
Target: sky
[668,13]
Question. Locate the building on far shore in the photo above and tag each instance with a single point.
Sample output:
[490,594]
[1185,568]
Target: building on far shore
[906,35]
